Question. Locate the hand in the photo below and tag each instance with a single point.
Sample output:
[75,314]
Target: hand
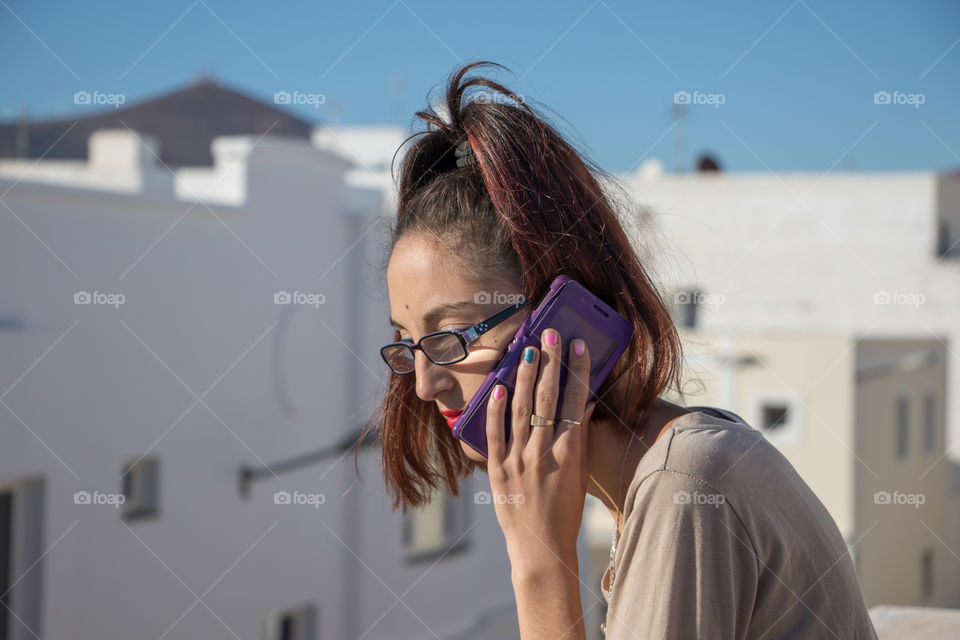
[538,479]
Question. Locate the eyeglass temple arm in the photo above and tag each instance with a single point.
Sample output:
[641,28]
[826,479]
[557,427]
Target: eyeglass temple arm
[481,328]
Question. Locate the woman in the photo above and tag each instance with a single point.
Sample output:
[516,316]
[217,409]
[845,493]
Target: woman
[716,534]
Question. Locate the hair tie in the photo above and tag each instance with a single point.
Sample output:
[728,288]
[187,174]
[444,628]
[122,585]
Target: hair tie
[465,155]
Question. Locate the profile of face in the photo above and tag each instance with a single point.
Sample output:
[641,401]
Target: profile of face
[422,277]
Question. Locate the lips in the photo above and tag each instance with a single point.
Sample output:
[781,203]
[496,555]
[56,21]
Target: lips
[451,416]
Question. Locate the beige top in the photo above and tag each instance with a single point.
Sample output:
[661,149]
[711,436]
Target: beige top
[722,539]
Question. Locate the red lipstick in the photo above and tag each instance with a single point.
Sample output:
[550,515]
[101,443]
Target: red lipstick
[451,416]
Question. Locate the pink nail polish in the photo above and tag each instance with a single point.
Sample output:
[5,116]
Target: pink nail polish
[550,338]
[497,392]
[578,347]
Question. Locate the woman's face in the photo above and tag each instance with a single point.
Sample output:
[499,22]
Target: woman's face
[422,278]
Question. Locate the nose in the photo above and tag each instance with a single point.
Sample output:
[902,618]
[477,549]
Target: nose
[431,378]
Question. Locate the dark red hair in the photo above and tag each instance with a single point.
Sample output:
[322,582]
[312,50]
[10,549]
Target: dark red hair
[539,207]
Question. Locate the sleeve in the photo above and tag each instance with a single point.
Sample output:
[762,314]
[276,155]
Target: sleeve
[685,566]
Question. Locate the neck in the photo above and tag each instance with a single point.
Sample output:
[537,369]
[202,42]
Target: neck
[609,440]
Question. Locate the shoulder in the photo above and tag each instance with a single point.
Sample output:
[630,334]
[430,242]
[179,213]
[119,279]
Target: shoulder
[706,448]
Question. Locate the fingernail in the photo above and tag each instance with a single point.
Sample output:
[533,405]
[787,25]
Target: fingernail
[550,337]
[578,347]
[497,392]
[529,355]
[590,413]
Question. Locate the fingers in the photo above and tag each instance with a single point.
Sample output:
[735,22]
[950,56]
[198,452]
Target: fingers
[545,394]
[496,409]
[575,394]
[537,393]
[522,405]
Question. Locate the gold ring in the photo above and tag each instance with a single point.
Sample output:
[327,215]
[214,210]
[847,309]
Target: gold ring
[539,421]
[576,422]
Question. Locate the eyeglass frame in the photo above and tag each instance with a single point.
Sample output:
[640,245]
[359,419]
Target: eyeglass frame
[465,336]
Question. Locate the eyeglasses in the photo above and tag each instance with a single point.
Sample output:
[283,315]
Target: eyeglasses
[442,347]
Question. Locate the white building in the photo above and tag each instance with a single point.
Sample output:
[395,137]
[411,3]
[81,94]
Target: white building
[870,255]
[161,330]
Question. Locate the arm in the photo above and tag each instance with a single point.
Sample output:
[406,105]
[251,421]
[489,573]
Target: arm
[548,601]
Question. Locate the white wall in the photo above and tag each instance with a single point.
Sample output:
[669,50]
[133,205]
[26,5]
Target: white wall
[92,386]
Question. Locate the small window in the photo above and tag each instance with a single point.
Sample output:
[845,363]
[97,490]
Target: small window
[437,528]
[685,307]
[292,624]
[926,574]
[6,559]
[929,422]
[140,483]
[774,417]
[943,238]
[903,427]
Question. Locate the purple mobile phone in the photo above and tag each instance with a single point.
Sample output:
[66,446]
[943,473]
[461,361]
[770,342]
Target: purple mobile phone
[573,311]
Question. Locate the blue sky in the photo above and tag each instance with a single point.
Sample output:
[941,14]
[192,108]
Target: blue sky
[797,77]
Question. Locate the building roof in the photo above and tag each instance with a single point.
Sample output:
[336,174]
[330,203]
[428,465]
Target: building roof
[184,121]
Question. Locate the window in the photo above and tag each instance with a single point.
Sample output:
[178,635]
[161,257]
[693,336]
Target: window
[926,574]
[903,427]
[778,416]
[685,307]
[773,417]
[929,422]
[438,528]
[292,624]
[943,238]
[22,551]
[140,482]
[6,550]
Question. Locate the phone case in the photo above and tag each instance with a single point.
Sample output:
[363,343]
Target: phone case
[574,312]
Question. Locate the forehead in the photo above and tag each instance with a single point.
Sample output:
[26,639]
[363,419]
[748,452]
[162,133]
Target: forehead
[421,276]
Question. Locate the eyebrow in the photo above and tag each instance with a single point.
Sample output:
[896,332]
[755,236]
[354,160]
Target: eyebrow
[438,312]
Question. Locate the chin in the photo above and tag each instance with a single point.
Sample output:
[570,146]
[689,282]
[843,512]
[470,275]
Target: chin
[473,454]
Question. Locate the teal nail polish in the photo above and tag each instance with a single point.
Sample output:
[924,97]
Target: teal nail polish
[529,355]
